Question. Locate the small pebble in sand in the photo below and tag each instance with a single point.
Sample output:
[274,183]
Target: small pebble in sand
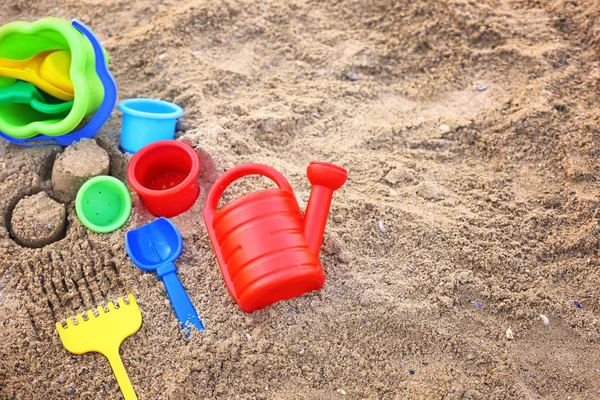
[70,389]
[380,225]
[444,128]
[577,304]
[430,191]
[248,336]
[301,351]
[341,391]
[545,319]
[411,371]
[409,269]
[509,334]
[482,88]
[352,76]
[476,304]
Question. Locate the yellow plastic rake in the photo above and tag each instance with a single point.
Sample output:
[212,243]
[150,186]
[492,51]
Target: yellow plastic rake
[104,334]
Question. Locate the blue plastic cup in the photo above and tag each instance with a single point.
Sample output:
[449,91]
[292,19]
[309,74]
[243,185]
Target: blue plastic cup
[147,121]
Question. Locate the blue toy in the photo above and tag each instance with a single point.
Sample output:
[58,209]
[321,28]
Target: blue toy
[147,121]
[155,246]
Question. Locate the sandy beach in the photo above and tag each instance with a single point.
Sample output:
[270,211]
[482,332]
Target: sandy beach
[461,256]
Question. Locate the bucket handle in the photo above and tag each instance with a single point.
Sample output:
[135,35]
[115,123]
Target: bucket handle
[212,202]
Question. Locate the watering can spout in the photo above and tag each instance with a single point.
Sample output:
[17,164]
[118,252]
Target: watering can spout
[325,178]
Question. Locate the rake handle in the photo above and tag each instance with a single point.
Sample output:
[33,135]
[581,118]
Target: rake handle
[122,378]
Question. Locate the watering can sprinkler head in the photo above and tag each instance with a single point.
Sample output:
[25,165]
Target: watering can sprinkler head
[326,174]
[325,178]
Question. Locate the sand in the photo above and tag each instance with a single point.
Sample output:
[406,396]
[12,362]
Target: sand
[38,220]
[78,163]
[470,131]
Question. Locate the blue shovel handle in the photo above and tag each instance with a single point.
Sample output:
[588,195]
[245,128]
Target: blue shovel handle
[184,309]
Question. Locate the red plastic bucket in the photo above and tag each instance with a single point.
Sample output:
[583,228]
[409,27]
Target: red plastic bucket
[165,174]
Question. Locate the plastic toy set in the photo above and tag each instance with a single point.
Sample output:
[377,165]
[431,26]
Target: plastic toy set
[55,84]
[54,75]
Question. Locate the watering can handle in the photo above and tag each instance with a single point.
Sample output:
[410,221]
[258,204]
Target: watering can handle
[235,173]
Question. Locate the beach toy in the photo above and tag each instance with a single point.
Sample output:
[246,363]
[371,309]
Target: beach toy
[20,41]
[104,334]
[103,204]
[147,121]
[164,174]
[99,118]
[48,70]
[27,93]
[266,251]
[154,247]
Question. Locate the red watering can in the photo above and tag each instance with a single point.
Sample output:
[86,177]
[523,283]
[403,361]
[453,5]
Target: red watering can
[266,250]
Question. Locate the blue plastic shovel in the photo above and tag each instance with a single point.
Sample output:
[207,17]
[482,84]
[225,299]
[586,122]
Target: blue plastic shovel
[155,246]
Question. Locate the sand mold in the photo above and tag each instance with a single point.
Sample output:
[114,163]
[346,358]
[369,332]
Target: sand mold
[73,167]
[470,136]
[37,220]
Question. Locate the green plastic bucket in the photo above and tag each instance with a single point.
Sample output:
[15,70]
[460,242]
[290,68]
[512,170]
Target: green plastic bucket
[20,40]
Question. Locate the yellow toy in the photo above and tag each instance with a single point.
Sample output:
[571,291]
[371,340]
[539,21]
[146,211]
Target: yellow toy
[104,334]
[48,70]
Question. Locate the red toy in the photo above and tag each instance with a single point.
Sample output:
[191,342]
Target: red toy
[266,250]
[164,174]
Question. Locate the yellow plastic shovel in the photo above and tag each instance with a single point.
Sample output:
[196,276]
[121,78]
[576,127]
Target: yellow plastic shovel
[104,334]
[48,70]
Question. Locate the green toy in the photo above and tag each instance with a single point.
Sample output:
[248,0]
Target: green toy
[21,40]
[26,93]
[103,204]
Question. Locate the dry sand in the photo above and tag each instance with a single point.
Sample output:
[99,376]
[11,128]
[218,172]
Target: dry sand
[471,132]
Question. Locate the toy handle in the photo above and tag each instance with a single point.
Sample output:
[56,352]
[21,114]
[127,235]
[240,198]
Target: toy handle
[235,173]
[121,374]
[184,309]
[9,95]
